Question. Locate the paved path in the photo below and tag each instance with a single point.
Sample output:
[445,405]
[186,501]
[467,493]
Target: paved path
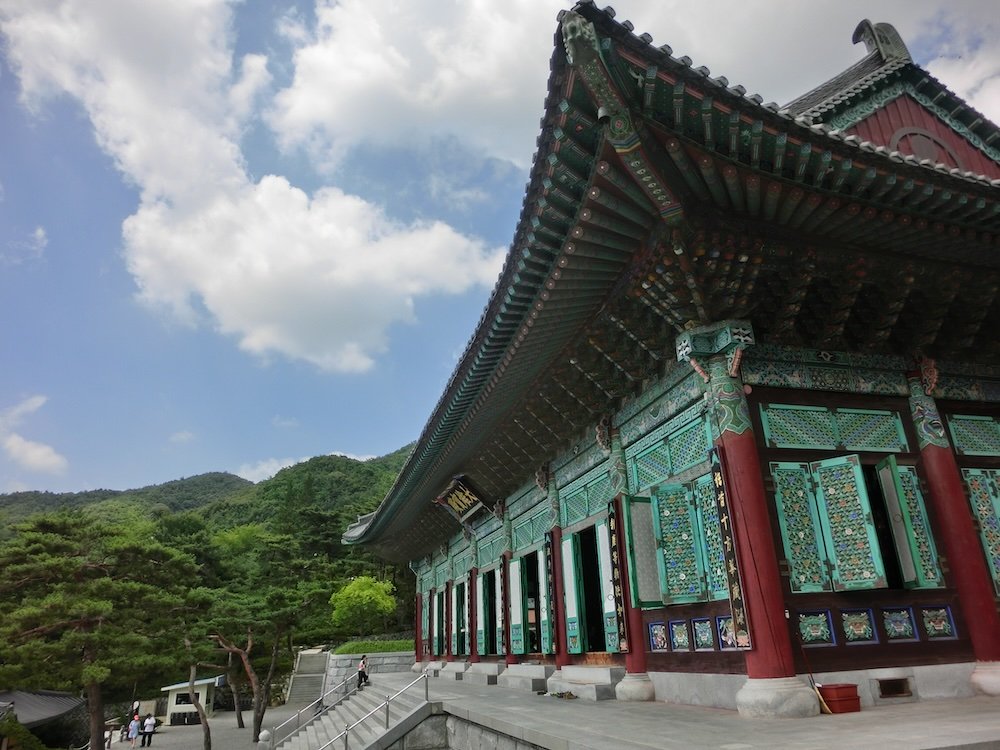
[225,734]
[972,723]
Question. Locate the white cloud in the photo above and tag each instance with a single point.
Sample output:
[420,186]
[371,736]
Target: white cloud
[33,456]
[389,73]
[284,423]
[355,456]
[30,248]
[183,436]
[317,277]
[323,277]
[28,454]
[384,72]
[266,469]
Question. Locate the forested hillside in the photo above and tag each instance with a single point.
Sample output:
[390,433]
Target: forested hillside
[130,588]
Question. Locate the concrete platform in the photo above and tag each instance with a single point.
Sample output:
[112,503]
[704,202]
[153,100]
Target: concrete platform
[560,724]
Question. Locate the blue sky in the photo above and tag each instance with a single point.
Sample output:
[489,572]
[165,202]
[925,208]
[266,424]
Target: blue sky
[234,236]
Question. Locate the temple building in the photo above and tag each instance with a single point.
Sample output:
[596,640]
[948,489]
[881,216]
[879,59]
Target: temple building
[731,416]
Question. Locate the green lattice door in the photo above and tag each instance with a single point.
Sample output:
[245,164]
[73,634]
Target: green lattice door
[480,614]
[848,529]
[679,559]
[499,609]
[544,612]
[911,532]
[826,526]
[798,517]
[984,494]
[516,612]
[641,552]
[454,617]
[609,611]
[711,536]
[572,586]
[425,608]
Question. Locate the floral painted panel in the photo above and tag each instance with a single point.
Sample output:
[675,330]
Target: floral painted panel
[815,628]
[703,638]
[938,622]
[680,640]
[858,626]
[898,623]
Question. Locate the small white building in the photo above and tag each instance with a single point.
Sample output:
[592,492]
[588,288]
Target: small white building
[180,707]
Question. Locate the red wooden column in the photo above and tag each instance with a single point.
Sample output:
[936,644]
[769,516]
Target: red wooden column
[509,658]
[773,688]
[546,479]
[418,631]
[558,604]
[473,614]
[958,536]
[636,686]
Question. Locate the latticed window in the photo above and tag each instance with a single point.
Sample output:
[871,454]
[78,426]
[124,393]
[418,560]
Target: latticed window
[830,534]
[974,435]
[984,494]
[689,542]
[663,454]
[820,428]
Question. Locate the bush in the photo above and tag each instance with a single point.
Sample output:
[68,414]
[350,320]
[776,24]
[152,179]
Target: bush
[21,737]
[374,647]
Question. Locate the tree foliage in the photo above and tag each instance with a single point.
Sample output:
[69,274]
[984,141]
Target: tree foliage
[363,606]
[88,605]
[103,595]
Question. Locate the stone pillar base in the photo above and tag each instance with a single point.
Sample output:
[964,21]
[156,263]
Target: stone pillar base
[635,687]
[776,697]
[986,677]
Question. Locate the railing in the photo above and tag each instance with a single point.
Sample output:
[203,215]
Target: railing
[316,708]
[388,699]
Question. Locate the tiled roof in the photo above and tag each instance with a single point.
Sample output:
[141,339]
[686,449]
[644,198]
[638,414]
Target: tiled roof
[870,70]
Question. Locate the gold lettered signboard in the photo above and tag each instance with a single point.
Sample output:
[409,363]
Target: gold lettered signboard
[741,623]
[460,499]
[616,577]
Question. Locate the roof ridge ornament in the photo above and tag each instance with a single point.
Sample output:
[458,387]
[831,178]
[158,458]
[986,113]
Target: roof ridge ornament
[884,38]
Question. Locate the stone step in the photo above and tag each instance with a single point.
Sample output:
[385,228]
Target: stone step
[589,683]
[454,669]
[351,711]
[311,663]
[533,677]
[484,672]
[305,688]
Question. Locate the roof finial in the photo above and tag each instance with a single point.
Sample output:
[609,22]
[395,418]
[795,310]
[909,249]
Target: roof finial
[884,38]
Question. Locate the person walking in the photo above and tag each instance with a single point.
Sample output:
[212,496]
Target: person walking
[148,727]
[133,730]
[363,672]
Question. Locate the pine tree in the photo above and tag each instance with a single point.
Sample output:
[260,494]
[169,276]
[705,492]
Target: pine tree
[88,606]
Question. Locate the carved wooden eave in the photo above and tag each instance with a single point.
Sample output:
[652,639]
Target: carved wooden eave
[661,198]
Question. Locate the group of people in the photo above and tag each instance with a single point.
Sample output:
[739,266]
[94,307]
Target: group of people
[143,728]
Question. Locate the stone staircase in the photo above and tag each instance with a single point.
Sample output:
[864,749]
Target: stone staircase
[367,710]
[307,680]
